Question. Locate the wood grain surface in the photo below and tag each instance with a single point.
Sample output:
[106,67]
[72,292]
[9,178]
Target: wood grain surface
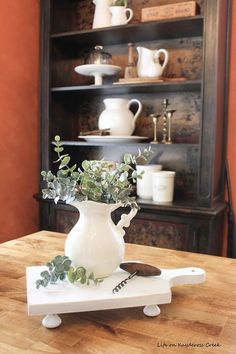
[201,318]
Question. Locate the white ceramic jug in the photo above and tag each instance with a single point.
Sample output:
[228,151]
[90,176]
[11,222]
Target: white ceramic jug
[95,242]
[117,116]
[148,62]
[102,14]
[120,15]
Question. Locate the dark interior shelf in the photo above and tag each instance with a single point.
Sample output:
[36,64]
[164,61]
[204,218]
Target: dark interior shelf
[174,28]
[179,86]
[190,208]
[186,207]
[144,144]
[85,143]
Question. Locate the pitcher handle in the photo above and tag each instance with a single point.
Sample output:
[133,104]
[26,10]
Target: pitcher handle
[130,16]
[166,54]
[134,100]
[125,220]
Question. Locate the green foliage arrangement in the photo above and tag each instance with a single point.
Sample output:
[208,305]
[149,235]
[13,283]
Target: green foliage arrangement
[120,3]
[98,180]
[59,268]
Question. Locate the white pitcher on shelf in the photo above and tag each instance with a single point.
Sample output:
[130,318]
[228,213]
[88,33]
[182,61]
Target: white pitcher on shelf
[117,116]
[148,62]
[120,15]
[102,14]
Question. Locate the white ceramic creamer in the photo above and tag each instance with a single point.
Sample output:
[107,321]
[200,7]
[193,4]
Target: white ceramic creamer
[148,62]
[120,15]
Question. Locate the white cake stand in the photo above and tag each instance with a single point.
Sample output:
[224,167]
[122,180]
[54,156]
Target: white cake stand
[98,71]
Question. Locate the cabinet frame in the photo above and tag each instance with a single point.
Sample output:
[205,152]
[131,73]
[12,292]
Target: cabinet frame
[214,27]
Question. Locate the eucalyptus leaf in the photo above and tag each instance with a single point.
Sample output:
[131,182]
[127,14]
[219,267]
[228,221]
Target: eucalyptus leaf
[59,268]
[91,276]
[45,274]
[57,138]
[67,264]
[59,149]
[57,260]
[127,159]
[80,272]
[83,279]
[54,278]
[45,282]
[39,283]
[71,275]
[85,165]
[64,162]
[62,276]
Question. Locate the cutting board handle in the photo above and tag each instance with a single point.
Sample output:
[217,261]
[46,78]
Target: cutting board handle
[183,276]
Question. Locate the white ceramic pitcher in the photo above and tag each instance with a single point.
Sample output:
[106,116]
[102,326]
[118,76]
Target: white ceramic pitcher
[148,62]
[117,116]
[95,242]
[102,15]
[120,15]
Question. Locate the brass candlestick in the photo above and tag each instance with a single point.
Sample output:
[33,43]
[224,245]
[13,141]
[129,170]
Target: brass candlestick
[164,129]
[154,117]
[169,121]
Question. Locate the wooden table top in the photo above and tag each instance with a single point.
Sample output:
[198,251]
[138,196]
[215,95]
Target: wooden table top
[200,319]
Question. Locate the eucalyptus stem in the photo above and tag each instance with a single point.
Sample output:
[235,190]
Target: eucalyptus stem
[60,268]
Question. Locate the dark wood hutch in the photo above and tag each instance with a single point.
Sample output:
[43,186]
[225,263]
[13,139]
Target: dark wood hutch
[198,49]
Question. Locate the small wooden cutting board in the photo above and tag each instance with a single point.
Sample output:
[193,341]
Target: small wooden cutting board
[64,297]
[140,80]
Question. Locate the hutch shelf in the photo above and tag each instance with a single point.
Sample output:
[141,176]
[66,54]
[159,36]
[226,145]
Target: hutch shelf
[69,104]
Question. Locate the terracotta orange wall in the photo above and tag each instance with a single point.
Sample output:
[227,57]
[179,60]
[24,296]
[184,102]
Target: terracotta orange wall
[19,60]
[231,151]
